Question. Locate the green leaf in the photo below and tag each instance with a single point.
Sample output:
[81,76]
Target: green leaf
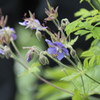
[34,67]
[86,25]
[81,32]
[87,53]
[71,77]
[92,60]
[77,95]
[71,27]
[73,40]
[96,32]
[81,1]
[97,24]
[85,63]
[94,42]
[88,36]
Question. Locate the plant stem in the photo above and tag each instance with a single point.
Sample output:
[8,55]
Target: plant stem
[98,2]
[92,78]
[52,84]
[68,75]
[83,83]
[91,4]
[19,53]
[65,66]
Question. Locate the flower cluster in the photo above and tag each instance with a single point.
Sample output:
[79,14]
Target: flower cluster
[6,34]
[32,23]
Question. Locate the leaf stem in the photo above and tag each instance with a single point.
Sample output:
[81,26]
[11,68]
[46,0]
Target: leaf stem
[52,84]
[68,75]
[65,66]
[19,53]
[91,78]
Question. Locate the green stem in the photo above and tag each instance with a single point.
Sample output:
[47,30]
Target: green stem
[19,53]
[91,4]
[15,58]
[83,83]
[52,84]
[92,78]
[65,66]
[68,75]
[98,2]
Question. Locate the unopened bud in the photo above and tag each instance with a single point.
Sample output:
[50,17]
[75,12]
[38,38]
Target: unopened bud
[38,35]
[7,52]
[43,60]
[30,55]
[73,53]
[64,22]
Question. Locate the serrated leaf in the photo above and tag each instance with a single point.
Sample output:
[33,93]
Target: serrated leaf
[71,27]
[92,60]
[88,36]
[96,32]
[82,12]
[73,40]
[81,32]
[71,77]
[87,53]
[94,42]
[85,63]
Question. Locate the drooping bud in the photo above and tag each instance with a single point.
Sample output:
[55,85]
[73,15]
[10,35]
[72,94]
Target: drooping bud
[64,22]
[43,60]
[73,53]
[30,55]
[38,35]
[7,52]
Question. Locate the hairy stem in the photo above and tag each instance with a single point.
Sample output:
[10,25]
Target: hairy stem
[52,84]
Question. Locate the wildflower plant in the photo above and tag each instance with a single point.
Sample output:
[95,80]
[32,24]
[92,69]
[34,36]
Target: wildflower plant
[81,79]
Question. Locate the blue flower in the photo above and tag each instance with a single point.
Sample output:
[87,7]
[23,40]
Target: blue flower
[32,24]
[2,54]
[57,48]
[10,32]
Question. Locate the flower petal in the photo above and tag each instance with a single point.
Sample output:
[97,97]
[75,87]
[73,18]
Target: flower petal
[23,23]
[52,50]
[59,44]
[60,56]
[49,42]
[1,52]
[37,21]
[14,36]
[65,50]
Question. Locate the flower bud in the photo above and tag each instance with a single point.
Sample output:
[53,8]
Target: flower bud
[38,35]
[64,22]
[7,52]
[43,60]
[73,53]
[30,55]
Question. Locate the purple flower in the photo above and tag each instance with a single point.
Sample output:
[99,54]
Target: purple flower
[29,55]
[2,52]
[33,24]
[57,48]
